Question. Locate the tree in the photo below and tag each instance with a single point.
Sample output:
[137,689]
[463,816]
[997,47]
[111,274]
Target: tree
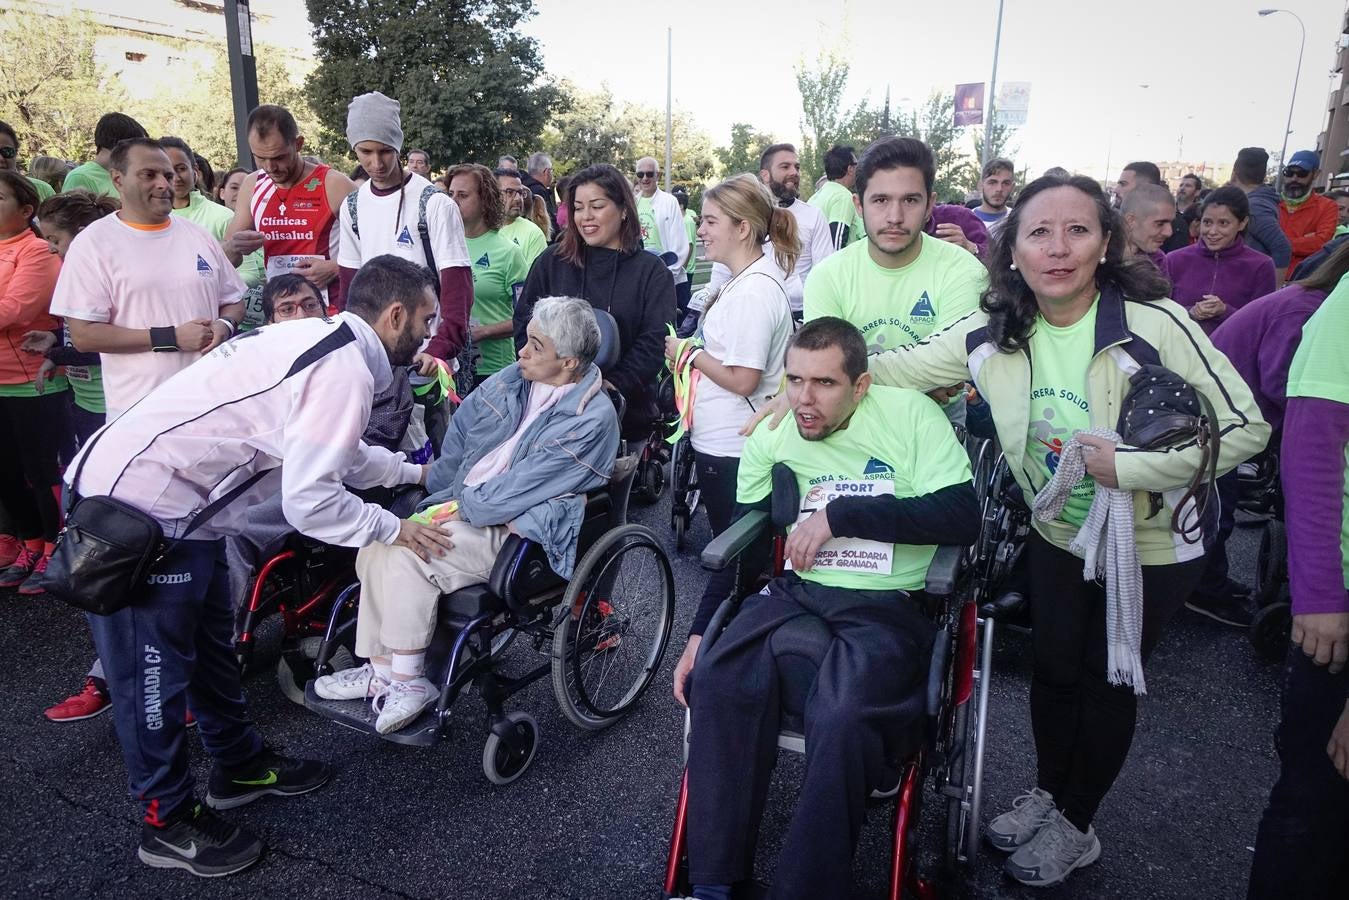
[824,119]
[692,158]
[471,85]
[742,155]
[1001,144]
[934,124]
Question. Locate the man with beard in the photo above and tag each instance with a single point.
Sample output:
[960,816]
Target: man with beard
[523,233]
[279,410]
[1308,219]
[997,185]
[780,170]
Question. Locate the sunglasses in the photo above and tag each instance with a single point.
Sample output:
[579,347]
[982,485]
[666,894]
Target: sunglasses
[9,152]
[1293,172]
[644,175]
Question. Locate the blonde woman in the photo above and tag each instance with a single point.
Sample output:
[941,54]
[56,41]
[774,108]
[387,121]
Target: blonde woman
[744,328]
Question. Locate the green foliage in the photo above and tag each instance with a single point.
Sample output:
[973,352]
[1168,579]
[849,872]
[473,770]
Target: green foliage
[824,119]
[934,124]
[470,84]
[742,155]
[1000,145]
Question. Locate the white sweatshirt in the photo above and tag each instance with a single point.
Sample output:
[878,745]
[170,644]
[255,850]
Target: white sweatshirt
[249,405]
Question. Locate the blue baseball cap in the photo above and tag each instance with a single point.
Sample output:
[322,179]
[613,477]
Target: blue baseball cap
[1304,159]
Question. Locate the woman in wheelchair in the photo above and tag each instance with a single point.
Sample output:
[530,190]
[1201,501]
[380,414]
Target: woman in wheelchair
[519,455]
[881,480]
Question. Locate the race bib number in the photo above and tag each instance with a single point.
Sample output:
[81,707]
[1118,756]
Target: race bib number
[853,555]
[281,265]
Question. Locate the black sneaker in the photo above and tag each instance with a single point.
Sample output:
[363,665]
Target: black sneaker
[199,841]
[1231,607]
[267,773]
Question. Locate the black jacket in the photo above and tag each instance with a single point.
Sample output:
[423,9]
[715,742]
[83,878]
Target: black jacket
[635,288]
[539,190]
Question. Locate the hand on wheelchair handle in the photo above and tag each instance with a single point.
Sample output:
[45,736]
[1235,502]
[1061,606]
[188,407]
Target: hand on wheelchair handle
[777,408]
[807,538]
[684,667]
[423,540]
[1324,637]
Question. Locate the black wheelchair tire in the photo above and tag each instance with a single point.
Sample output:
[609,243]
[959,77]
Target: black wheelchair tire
[1271,629]
[504,761]
[572,699]
[1271,564]
[680,531]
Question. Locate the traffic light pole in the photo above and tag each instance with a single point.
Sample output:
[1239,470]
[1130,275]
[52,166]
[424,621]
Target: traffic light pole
[243,73]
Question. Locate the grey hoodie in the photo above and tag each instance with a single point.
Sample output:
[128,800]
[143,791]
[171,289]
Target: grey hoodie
[1263,232]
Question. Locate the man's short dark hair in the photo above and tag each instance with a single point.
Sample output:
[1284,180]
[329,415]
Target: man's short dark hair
[113,128]
[1251,166]
[506,173]
[384,281]
[1338,194]
[268,118]
[893,153]
[287,284]
[837,161]
[6,128]
[1198,182]
[766,157]
[178,143]
[1145,171]
[996,165]
[831,331]
[118,160]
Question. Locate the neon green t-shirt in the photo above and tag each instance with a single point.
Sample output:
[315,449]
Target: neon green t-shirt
[91,177]
[499,271]
[897,442]
[691,229]
[1058,403]
[86,385]
[216,219]
[646,216]
[29,389]
[527,236]
[896,307]
[44,190]
[1321,369]
[836,202]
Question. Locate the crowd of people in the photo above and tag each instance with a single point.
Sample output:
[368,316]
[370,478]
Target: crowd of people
[253,354]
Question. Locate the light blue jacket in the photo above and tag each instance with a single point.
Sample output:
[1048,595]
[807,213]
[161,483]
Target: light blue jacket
[568,450]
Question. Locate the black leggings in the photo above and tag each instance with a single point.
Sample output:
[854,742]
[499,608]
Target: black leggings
[32,430]
[716,481]
[1084,725]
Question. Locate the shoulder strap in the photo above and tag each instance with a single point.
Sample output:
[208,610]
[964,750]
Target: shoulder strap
[423,230]
[351,211]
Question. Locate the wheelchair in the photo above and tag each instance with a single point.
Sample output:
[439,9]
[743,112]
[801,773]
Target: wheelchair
[950,709]
[686,496]
[1259,494]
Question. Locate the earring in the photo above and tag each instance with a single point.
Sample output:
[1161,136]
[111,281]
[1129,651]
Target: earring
[1102,260]
[1012,267]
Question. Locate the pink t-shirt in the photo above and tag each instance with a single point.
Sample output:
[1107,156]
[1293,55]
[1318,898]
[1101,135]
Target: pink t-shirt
[137,277]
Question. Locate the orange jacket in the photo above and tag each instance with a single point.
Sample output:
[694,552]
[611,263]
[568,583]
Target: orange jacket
[1308,227]
[28,271]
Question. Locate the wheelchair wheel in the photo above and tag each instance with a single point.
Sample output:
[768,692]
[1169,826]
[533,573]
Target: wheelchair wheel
[1271,630]
[1271,564]
[505,760]
[614,624]
[296,666]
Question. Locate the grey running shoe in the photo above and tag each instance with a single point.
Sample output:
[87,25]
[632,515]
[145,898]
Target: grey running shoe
[1016,827]
[1053,853]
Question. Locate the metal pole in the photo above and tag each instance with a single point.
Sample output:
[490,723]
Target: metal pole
[243,74]
[992,91]
[669,104]
[1288,128]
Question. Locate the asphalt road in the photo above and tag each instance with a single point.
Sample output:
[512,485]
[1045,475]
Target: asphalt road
[592,816]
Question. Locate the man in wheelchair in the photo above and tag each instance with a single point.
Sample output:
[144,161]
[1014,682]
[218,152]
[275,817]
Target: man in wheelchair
[520,455]
[881,481]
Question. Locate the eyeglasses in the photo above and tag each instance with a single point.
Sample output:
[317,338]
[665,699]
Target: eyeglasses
[1290,172]
[286,310]
[9,152]
[644,175]
[519,192]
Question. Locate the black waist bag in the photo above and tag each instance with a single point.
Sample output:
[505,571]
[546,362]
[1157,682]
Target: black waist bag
[104,555]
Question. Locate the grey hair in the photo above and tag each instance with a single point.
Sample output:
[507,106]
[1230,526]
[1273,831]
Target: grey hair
[1146,197]
[538,163]
[569,322]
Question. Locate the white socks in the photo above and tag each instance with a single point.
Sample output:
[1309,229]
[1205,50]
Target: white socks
[408,666]
[383,671]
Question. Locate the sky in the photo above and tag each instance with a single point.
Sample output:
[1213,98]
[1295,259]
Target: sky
[1110,82]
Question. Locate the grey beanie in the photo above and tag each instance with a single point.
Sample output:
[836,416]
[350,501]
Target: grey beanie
[374,117]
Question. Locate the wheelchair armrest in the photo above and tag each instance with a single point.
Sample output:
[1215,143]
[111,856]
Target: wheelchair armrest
[725,547]
[406,498]
[944,570]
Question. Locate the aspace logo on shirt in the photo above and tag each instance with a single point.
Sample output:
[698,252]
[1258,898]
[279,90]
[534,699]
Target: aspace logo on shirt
[404,238]
[878,467]
[923,309]
[204,268]
[483,262]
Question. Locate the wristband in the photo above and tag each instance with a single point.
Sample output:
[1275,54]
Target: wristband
[229,324]
[164,339]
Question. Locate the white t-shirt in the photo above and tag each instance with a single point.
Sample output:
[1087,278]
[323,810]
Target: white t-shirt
[138,277]
[813,230]
[384,231]
[748,325]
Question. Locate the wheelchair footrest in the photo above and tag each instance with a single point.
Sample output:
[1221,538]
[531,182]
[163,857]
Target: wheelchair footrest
[358,716]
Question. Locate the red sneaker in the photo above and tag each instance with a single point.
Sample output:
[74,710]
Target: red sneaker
[19,570]
[10,547]
[32,585]
[89,702]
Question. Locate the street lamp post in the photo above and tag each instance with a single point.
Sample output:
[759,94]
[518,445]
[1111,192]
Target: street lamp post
[992,87]
[1283,153]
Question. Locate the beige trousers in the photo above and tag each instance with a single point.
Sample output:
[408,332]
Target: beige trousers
[399,589]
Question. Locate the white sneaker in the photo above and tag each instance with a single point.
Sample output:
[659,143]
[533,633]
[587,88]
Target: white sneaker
[357,683]
[1055,851]
[403,701]
[1016,827]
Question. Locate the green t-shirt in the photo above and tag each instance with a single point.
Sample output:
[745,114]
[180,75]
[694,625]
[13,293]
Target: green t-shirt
[896,307]
[1321,369]
[646,216]
[527,236]
[29,388]
[215,219]
[691,229]
[44,190]
[897,442]
[86,384]
[91,177]
[836,202]
[499,271]
[1058,402]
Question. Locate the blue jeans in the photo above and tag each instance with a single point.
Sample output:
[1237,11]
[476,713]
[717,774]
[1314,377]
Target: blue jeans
[174,645]
[1300,848]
